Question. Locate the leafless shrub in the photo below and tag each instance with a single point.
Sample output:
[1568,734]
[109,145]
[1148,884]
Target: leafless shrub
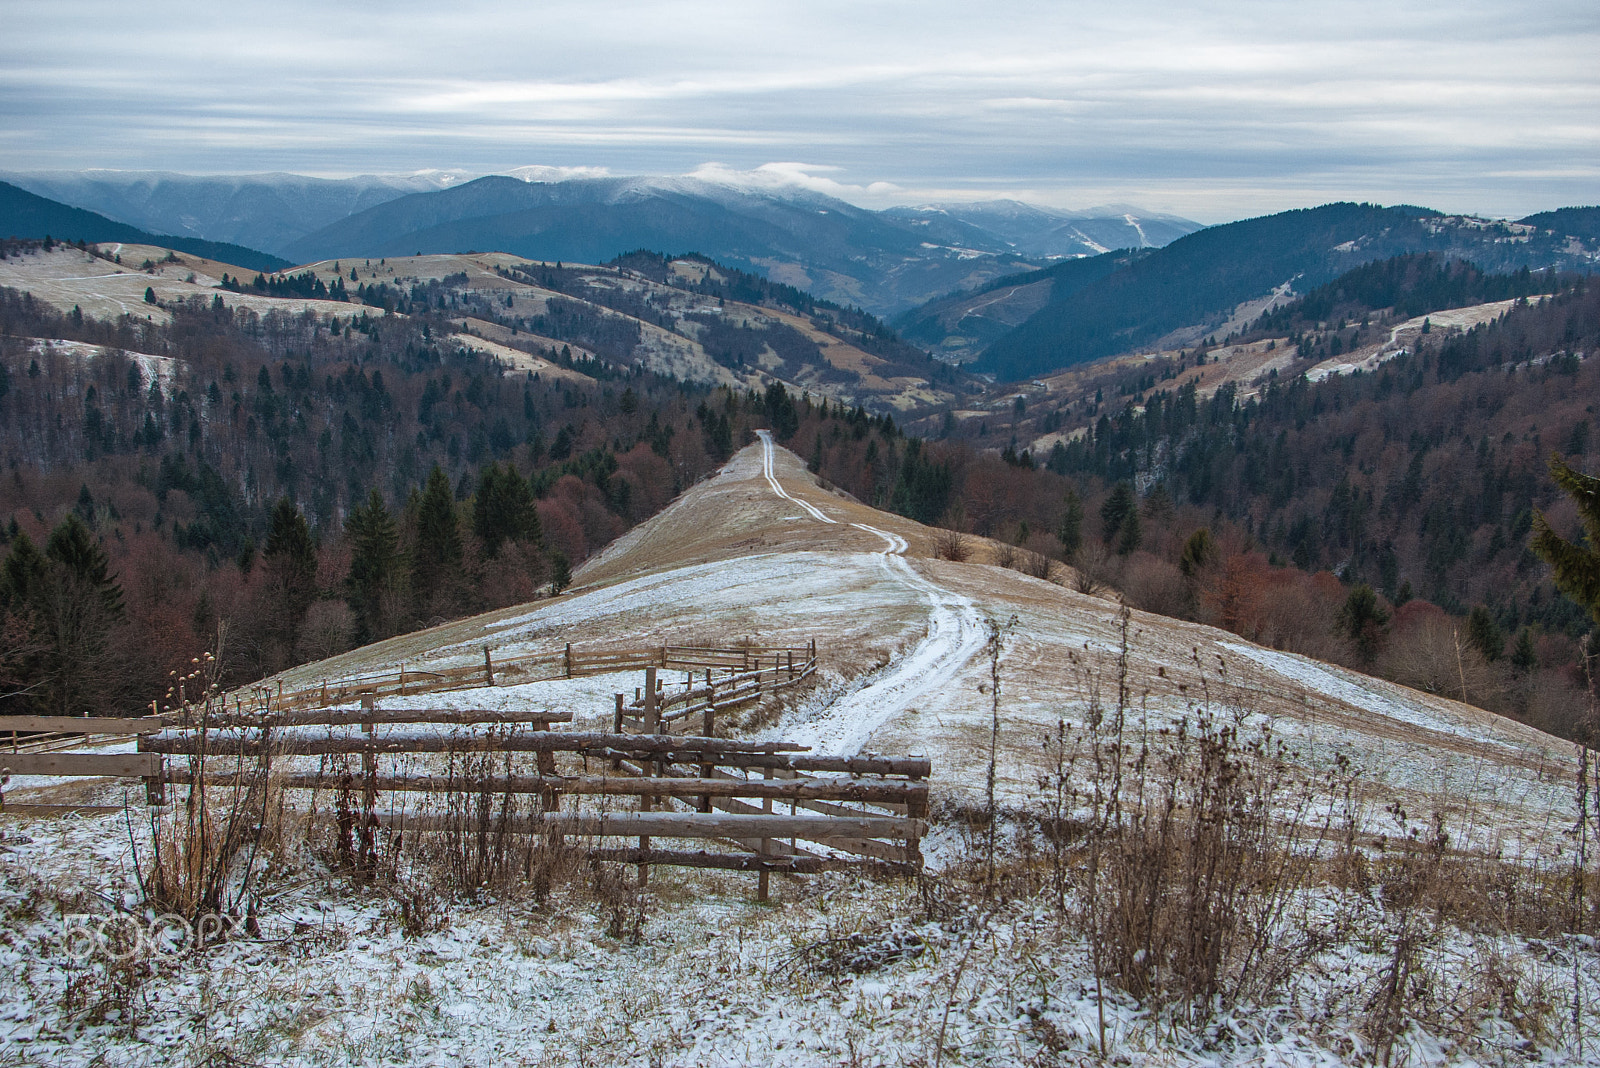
[1037,565]
[326,631]
[478,838]
[1153,584]
[1431,654]
[1094,569]
[1004,554]
[206,853]
[1185,867]
[623,901]
[952,545]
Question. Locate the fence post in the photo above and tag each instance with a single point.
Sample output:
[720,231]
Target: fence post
[646,802]
[916,809]
[709,725]
[652,723]
[791,665]
[567,660]
[369,792]
[616,728]
[488,667]
[765,845]
[155,786]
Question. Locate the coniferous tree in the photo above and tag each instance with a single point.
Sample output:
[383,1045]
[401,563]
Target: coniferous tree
[23,576]
[1575,568]
[503,510]
[560,572]
[436,552]
[1131,534]
[1115,511]
[376,583]
[289,565]
[1524,657]
[1362,620]
[60,608]
[1485,634]
[1069,532]
[1197,553]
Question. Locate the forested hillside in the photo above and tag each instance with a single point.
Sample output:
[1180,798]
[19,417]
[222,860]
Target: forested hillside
[1379,519]
[25,215]
[1198,280]
[310,483]
[307,484]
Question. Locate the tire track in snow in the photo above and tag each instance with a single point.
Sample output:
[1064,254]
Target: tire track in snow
[956,633]
[772,480]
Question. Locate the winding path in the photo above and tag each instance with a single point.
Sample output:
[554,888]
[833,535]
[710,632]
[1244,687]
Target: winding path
[956,634]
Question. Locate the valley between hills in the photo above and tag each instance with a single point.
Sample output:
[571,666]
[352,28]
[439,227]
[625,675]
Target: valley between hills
[1144,753]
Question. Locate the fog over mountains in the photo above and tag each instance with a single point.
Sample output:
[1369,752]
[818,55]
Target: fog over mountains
[885,261]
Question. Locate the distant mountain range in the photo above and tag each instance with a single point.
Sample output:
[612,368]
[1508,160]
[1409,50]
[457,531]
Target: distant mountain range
[883,261]
[1031,323]
[264,211]
[23,214]
[1009,289]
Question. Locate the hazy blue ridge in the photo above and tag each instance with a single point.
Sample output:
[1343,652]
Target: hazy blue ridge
[24,214]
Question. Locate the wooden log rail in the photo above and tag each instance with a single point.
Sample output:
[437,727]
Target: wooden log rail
[686,825]
[53,730]
[334,717]
[880,791]
[570,662]
[681,749]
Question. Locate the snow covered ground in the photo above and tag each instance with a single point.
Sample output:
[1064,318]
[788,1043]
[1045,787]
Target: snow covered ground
[696,973]
[837,972]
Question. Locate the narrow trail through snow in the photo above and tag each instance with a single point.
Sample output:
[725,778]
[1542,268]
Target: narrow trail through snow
[956,633]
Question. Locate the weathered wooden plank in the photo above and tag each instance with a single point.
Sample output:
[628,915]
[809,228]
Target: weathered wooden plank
[861,846]
[593,743]
[680,749]
[113,765]
[801,865]
[878,791]
[82,724]
[686,825]
[331,717]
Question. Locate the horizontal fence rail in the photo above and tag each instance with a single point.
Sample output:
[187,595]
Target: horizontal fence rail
[761,798]
[572,662]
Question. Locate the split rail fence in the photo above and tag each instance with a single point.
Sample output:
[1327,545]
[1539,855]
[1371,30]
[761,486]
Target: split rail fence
[571,662]
[840,809]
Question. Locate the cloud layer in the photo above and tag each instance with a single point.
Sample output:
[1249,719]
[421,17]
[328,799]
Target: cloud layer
[1216,110]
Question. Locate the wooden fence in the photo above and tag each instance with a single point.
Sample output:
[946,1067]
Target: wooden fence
[571,662]
[745,679]
[686,787]
[33,740]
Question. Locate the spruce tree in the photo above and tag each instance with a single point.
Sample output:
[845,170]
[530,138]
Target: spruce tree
[1069,532]
[377,568]
[1575,568]
[503,510]
[289,563]
[436,547]
[1485,634]
[1197,553]
[1362,620]
[1117,508]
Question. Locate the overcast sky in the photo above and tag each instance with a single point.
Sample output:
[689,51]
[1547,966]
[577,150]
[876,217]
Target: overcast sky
[1211,110]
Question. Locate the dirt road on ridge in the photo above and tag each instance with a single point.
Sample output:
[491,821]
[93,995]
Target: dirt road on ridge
[956,633]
